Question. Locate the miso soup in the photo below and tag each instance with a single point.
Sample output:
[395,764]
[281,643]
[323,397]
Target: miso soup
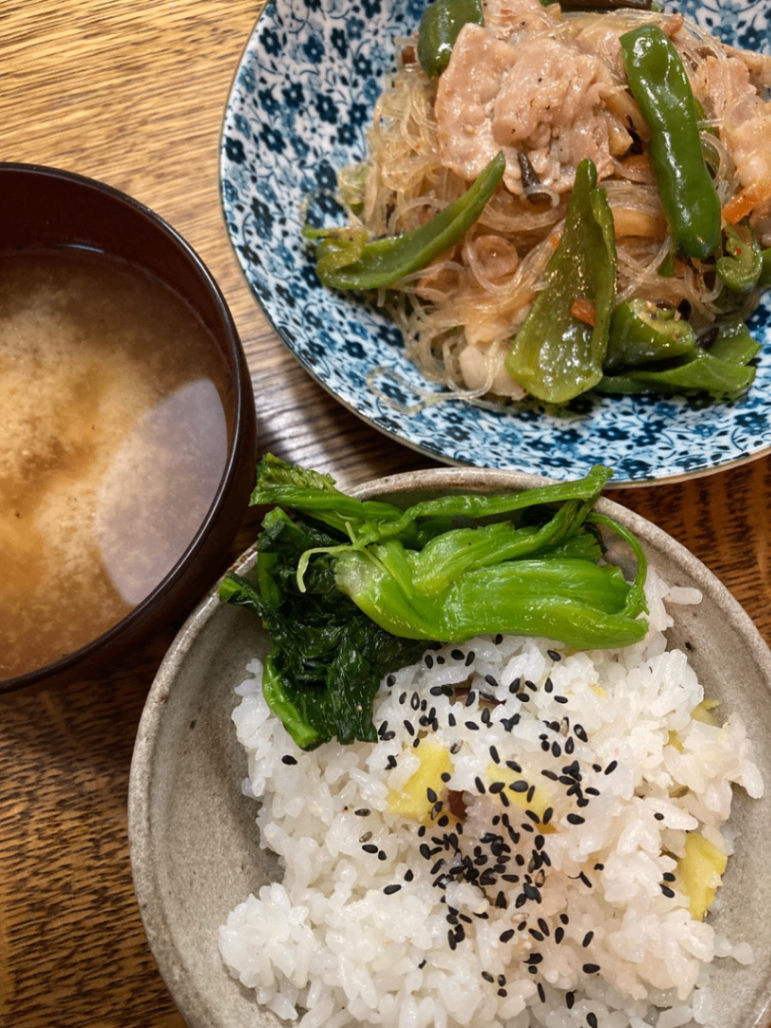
[113,441]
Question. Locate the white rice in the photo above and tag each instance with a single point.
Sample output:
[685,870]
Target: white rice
[598,937]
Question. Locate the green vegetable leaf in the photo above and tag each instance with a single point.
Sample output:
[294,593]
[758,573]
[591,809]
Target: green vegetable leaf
[352,589]
[327,657]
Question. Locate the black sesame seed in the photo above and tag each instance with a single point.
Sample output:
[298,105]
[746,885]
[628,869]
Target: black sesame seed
[507,936]
[569,745]
[564,918]
[570,998]
[445,776]
[429,661]
[575,819]
[409,727]
[382,855]
[514,686]
[366,837]
[391,889]
[559,934]
[457,654]
[519,786]
[497,787]
[599,867]
[370,848]
[409,874]
[523,697]
[585,880]
[362,812]
[431,795]
[502,992]
[548,685]
[534,958]
[591,1019]
[487,976]
[669,893]
[451,939]
[514,766]
[472,726]
[402,697]
[288,759]
[580,731]
[659,816]
[668,876]
[470,657]
[500,901]
[611,767]
[556,749]
[451,720]
[591,791]
[541,993]
[492,681]
[587,939]
[391,680]
[560,699]
[538,936]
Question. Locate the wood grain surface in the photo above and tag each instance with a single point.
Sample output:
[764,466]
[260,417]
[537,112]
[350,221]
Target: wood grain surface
[132,92]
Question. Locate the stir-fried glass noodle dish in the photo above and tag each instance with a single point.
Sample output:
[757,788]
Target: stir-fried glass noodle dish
[557,200]
[507,830]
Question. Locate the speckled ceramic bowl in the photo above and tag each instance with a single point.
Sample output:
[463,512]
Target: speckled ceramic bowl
[194,844]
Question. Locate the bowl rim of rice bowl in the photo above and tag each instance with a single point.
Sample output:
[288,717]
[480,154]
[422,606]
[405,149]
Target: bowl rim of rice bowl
[193,833]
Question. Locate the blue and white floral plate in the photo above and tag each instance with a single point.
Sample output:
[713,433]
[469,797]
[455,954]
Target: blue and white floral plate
[301,100]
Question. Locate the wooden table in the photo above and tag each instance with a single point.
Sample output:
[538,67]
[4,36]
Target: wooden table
[132,92]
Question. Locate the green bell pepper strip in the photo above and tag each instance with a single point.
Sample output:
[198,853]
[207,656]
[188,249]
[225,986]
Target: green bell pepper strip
[439,28]
[554,356]
[735,344]
[660,86]
[765,274]
[641,332]
[722,371]
[742,263]
[381,262]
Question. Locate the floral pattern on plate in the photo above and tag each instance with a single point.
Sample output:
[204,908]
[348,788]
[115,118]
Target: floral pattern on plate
[301,101]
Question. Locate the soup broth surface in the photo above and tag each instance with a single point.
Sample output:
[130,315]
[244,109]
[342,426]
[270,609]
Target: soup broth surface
[114,441]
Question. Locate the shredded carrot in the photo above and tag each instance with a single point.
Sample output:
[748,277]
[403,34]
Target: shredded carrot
[583,310]
[743,203]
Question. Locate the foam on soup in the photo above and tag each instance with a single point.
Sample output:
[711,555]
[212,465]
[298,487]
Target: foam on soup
[114,441]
